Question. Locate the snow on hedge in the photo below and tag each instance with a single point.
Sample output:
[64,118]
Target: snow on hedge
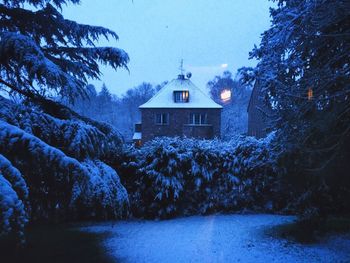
[180,176]
[101,190]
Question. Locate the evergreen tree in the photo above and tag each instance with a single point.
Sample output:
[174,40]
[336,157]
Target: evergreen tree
[304,69]
[104,105]
[44,54]
[135,97]
[91,91]
[104,96]
[52,160]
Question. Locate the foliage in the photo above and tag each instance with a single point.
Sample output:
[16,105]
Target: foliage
[120,111]
[51,159]
[304,70]
[173,176]
[59,161]
[13,198]
[42,53]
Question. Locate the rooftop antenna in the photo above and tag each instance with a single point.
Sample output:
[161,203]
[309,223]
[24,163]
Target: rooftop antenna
[182,67]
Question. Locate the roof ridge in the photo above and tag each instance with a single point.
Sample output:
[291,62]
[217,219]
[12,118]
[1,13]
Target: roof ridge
[158,92]
[201,100]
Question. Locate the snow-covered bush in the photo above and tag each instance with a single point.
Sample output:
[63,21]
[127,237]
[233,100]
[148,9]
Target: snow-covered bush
[60,160]
[177,176]
[100,194]
[165,165]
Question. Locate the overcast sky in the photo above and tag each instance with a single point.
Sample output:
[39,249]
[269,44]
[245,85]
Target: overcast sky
[210,35]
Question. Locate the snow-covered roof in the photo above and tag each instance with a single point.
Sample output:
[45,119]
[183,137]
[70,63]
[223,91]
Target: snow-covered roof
[137,136]
[165,96]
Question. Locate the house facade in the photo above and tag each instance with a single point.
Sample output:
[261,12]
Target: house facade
[179,109]
[257,113]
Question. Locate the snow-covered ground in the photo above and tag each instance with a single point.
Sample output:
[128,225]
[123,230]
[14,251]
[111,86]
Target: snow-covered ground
[216,238]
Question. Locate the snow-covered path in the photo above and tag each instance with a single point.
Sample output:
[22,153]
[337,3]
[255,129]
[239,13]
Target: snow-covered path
[216,238]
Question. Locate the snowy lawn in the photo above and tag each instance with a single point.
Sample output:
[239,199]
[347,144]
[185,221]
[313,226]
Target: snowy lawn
[216,238]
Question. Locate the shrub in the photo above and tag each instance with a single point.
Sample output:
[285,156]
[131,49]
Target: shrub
[178,176]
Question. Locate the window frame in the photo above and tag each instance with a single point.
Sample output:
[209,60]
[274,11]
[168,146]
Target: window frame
[162,123]
[180,97]
[202,119]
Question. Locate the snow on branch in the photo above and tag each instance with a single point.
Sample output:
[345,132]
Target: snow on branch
[13,197]
[43,53]
[39,3]
[20,53]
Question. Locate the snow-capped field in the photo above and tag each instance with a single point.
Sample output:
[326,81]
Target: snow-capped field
[216,238]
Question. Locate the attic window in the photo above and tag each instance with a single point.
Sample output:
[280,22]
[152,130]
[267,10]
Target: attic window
[181,96]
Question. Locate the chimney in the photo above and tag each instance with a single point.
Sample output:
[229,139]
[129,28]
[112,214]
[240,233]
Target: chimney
[181,76]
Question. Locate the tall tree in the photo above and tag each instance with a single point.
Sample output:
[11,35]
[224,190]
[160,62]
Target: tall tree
[219,84]
[50,157]
[44,54]
[304,68]
[131,101]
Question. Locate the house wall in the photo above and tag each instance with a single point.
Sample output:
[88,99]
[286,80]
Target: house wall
[257,119]
[256,123]
[179,124]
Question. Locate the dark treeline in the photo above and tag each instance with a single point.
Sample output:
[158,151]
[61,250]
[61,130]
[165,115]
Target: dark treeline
[121,112]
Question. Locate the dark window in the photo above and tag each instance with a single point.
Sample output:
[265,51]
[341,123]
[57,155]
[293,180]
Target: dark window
[181,96]
[198,118]
[162,118]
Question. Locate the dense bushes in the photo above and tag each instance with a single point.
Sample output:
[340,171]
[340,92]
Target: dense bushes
[52,169]
[319,192]
[175,176]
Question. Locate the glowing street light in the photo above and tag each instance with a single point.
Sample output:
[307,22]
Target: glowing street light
[225,95]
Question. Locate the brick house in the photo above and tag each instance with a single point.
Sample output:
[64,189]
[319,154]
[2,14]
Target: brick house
[257,113]
[179,109]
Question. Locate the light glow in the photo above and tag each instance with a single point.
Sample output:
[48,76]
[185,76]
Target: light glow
[310,94]
[225,95]
[225,65]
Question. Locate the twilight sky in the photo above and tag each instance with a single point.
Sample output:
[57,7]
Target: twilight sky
[210,35]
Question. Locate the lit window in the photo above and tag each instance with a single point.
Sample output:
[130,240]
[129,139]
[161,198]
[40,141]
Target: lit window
[162,118]
[198,118]
[310,94]
[181,96]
